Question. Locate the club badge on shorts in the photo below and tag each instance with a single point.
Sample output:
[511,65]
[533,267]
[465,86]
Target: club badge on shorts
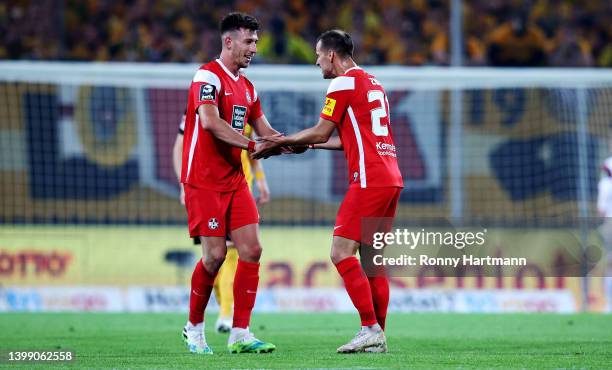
[213,224]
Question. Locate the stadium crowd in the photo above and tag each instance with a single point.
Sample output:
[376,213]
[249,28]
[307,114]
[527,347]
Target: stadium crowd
[403,32]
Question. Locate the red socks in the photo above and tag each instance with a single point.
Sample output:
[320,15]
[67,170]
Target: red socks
[369,295]
[245,291]
[379,286]
[201,286]
[358,288]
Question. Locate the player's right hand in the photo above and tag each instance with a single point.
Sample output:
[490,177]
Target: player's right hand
[182,194]
[266,149]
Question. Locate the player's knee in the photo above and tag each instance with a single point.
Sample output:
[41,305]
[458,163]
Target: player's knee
[338,255]
[252,253]
[214,259]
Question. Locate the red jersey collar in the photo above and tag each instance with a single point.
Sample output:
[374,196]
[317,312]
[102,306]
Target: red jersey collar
[235,78]
[350,69]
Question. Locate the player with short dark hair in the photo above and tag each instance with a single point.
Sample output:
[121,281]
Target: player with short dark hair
[337,40]
[356,105]
[236,20]
[224,282]
[221,101]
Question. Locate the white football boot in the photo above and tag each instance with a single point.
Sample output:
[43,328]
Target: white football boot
[366,340]
[194,338]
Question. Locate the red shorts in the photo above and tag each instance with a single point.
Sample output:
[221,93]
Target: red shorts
[214,213]
[360,203]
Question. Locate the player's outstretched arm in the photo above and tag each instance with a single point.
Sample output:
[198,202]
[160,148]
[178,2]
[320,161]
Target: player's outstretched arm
[333,143]
[319,133]
[210,121]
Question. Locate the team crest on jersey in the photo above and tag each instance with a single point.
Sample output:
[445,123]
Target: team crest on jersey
[238,117]
[248,97]
[213,224]
[208,92]
[330,104]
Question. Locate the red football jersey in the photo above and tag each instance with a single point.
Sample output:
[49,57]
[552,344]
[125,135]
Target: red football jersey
[358,104]
[208,162]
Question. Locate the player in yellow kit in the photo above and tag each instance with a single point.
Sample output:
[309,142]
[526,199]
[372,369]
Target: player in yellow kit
[223,288]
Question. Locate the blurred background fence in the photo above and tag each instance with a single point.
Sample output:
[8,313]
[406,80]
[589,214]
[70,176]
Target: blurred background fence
[92,143]
[91,95]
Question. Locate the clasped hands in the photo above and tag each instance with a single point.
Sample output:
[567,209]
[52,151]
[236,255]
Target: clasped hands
[268,146]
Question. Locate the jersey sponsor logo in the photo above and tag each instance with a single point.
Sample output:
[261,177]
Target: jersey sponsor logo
[213,224]
[385,149]
[238,117]
[330,104]
[208,92]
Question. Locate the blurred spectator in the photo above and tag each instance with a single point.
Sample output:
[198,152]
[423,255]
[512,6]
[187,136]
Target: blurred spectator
[403,32]
[604,58]
[474,50]
[517,43]
[277,45]
[570,51]
[415,48]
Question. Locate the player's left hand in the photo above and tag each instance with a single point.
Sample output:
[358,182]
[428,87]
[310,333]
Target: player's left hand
[264,191]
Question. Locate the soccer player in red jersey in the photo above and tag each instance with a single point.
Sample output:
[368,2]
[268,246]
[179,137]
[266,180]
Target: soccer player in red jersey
[356,105]
[218,201]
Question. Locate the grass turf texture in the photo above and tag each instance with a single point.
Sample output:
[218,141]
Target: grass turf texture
[310,340]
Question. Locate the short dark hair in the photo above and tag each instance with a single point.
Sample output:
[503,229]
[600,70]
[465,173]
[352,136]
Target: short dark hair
[338,41]
[235,21]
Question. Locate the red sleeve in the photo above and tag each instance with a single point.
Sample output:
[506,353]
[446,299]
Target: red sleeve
[335,105]
[204,93]
[205,88]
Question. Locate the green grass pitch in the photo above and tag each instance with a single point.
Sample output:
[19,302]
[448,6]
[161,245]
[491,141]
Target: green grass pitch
[309,341]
